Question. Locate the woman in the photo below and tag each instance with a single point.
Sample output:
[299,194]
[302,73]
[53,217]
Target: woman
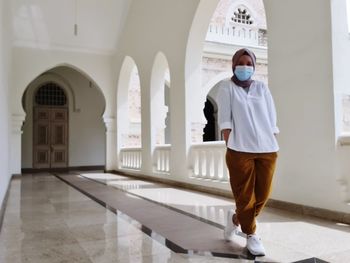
[247,119]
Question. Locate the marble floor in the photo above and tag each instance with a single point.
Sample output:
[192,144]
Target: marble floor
[80,220]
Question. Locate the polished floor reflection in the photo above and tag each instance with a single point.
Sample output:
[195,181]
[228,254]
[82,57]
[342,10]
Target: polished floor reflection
[46,220]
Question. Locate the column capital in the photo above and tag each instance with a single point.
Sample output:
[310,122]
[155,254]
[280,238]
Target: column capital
[110,122]
[17,122]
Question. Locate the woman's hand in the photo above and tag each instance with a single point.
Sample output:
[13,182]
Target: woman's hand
[226,134]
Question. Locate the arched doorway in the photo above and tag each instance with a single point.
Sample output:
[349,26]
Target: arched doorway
[50,127]
[63,127]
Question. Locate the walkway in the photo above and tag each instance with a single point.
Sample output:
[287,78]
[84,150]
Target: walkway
[96,217]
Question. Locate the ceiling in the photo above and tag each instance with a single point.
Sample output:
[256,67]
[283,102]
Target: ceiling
[49,24]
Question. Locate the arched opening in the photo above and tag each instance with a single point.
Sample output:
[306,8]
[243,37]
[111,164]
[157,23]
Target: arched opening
[232,25]
[167,135]
[129,105]
[61,129]
[160,115]
[133,137]
[210,113]
[211,131]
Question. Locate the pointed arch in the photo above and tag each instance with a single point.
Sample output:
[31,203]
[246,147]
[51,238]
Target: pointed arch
[125,80]
[160,78]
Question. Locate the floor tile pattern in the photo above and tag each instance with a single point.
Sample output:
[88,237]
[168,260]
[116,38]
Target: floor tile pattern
[46,220]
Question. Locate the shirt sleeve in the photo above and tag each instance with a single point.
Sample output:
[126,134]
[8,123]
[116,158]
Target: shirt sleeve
[272,111]
[224,108]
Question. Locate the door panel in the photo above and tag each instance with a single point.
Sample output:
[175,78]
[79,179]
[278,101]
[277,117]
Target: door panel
[41,138]
[50,137]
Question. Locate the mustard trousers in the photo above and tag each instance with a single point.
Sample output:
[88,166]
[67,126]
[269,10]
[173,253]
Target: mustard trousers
[250,178]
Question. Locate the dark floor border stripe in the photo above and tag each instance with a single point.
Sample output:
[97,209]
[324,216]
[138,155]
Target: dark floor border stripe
[162,240]
[184,213]
[311,260]
[204,220]
[4,203]
[63,169]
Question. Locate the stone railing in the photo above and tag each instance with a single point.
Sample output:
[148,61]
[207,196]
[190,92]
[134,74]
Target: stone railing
[161,158]
[207,161]
[230,35]
[131,158]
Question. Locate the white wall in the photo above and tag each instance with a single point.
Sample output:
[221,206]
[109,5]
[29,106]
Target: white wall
[87,140]
[5,56]
[341,57]
[301,81]
[341,76]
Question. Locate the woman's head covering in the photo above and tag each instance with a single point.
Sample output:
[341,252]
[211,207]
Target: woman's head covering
[235,59]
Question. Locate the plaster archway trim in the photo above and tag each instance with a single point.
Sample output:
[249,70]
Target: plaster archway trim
[193,60]
[212,82]
[34,74]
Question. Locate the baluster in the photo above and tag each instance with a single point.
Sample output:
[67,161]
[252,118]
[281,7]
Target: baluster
[203,164]
[208,163]
[127,159]
[195,163]
[221,166]
[168,161]
[132,159]
[163,161]
[216,160]
[159,157]
[140,160]
[136,159]
[122,159]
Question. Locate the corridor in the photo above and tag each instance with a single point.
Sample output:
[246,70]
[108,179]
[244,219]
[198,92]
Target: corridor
[97,217]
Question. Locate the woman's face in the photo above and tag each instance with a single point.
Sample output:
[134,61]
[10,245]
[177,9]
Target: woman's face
[245,60]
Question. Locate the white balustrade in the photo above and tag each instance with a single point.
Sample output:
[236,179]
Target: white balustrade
[161,158]
[207,161]
[131,158]
[230,35]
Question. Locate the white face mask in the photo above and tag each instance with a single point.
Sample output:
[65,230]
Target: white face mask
[244,73]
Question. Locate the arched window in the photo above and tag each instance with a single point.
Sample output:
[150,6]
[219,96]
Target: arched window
[50,94]
[242,16]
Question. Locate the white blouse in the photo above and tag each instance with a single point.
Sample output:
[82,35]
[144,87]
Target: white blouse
[251,116]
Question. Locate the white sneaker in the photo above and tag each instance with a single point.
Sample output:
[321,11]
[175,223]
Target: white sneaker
[255,246]
[230,228]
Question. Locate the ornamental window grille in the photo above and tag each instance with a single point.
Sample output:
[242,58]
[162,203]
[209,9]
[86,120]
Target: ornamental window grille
[50,94]
[242,16]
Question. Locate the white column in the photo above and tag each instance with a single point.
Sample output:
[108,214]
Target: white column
[16,143]
[180,129]
[111,145]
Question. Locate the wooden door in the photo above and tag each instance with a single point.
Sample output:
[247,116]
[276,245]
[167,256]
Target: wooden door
[59,138]
[50,144]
